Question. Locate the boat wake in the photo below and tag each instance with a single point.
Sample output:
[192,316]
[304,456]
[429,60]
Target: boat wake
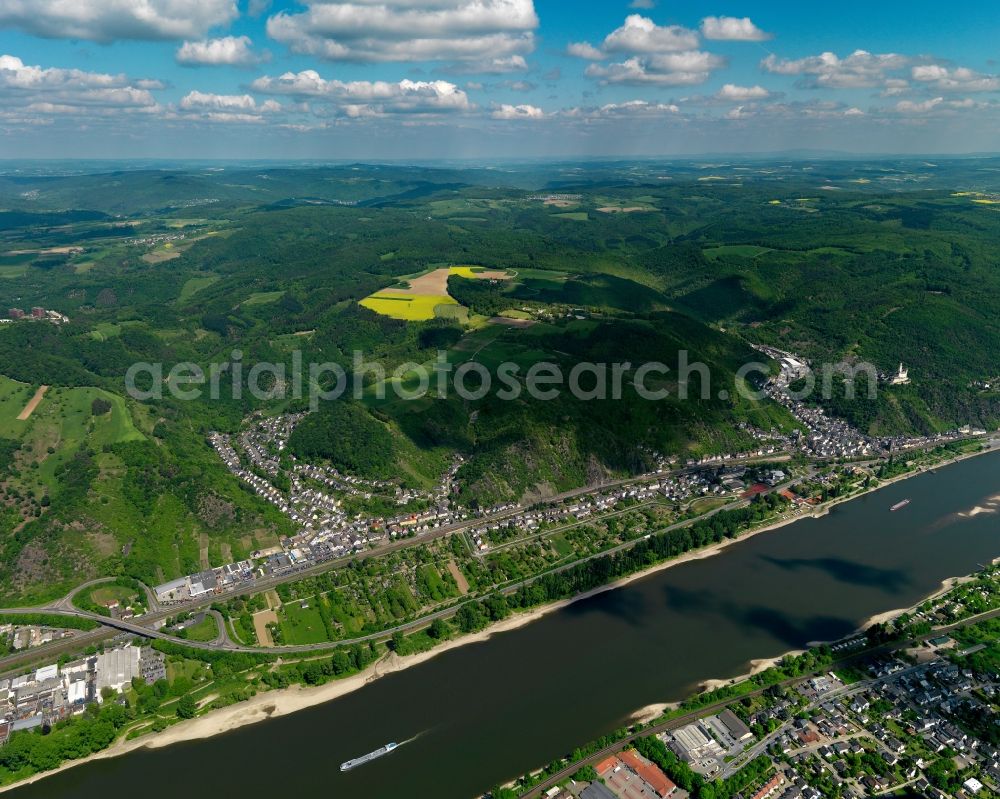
[411,740]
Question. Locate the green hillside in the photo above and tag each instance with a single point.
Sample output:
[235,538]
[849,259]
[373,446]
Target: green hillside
[146,272]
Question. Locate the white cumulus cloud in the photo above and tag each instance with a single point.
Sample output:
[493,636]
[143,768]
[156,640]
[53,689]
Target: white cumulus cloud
[237,108]
[108,20]
[629,108]
[814,109]
[502,65]
[859,70]
[408,30]
[659,55]
[50,88]
[640,34]
[733,29]
[227,51]
[368,98]
[922,107]
[689,68]
[219,102]
[955,78]
[505,111]
[732,92]
[585,50]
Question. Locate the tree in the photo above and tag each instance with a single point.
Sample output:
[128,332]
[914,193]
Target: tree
[187,707]
[100,406]
[471,617]
[438,629]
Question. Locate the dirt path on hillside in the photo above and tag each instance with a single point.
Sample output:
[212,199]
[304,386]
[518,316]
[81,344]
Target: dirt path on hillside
[32,404]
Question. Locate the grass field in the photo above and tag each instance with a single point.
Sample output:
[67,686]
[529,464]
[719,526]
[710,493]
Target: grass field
[59,426]
[205,630]
[195,284]
[457,312]
[162,254]
[103,594]
[32,404]
[260,297]
[705,504]
[302,625]
[12,270]
[741,250]
[105,330]
[13,397]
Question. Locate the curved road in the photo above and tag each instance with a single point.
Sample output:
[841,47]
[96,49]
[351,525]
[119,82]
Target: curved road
[142,626]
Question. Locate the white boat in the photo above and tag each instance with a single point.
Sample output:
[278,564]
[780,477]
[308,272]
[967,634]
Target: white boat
[347,765]
[899,505]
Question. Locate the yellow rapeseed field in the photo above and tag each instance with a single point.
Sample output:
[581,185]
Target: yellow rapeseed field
[410,307]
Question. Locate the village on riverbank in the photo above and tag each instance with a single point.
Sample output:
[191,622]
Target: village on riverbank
[441,573]
[319,499]
[200,685]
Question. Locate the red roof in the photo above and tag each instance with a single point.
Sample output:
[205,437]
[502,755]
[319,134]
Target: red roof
[769,786]
[757,488]
[650,773]
[606,765]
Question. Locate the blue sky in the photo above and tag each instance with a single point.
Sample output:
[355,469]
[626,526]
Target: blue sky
[494,78]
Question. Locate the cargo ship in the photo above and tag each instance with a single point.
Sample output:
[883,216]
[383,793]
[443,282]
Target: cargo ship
[899,505]
[360,761]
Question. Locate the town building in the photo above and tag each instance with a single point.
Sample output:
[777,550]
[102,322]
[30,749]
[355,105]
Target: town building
[739,731]
[116,668]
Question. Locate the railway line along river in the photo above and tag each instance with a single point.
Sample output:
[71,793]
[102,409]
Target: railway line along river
[484,713]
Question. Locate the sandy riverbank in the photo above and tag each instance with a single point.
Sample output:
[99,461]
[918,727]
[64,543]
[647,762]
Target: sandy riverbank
[756,667]
[762,664]
[271,704]
[651,713]
[946,586]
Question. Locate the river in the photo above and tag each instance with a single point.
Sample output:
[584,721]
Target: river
[484,713]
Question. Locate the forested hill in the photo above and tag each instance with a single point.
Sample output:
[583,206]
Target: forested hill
[887,262]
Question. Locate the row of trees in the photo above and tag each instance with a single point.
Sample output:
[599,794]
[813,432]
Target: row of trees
[345,661]
[601,571]
[29,752]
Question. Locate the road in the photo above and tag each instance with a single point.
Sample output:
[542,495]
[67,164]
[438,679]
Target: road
[145,625]
[848,690]
[157,613]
